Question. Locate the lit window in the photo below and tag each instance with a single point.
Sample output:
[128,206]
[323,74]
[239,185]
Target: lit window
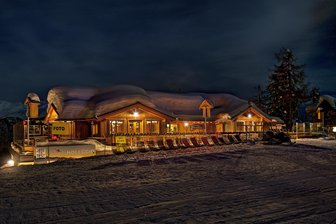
[152,126]
[117,127]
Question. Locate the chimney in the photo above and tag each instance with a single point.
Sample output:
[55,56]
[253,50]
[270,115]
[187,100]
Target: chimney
[32,101]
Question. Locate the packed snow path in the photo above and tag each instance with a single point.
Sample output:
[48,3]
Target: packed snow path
[232,184]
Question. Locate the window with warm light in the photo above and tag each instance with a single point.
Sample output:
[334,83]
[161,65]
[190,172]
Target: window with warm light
[94,129]
[135,126]
[240,126]
[171,128]
[152,126]
[117,127]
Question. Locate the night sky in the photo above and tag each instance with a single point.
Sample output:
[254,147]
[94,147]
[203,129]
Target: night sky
[175,45]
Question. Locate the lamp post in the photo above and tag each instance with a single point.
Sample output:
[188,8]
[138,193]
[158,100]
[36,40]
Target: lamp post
[28,130]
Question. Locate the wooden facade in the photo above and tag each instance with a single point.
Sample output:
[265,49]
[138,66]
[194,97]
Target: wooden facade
[139,116]
[325,112]
[140,119]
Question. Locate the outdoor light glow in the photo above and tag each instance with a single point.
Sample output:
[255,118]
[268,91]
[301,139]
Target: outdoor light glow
[334,129]
[186,124]
[136,114]
[249,115]
[10,162]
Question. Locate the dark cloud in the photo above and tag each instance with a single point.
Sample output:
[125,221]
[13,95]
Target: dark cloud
[175,45]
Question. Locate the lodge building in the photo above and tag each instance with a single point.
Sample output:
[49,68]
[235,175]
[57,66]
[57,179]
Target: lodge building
[325,112]
[101,113]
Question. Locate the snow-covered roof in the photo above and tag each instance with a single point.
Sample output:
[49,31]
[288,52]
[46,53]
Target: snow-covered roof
[329,99]
[83,103]
[33,97]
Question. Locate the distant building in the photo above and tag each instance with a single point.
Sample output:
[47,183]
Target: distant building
[325,111]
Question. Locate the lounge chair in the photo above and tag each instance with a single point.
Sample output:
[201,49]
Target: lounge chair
[180,144]
[170,143]
[142,147]
[232,139]
[221,140]
[152,145]
[161,145]
[216,140]
[206,141]
[186,143]
[238,138]
[226,139]
[195,142]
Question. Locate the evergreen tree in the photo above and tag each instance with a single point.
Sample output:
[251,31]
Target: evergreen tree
[261,99]
[315,95]
[286,87]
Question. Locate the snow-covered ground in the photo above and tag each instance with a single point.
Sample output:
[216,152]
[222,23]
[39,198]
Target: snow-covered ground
[329,143]
[232,184]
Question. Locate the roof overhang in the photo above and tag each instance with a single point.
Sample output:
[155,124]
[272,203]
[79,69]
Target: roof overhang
[254,110]
[140,106]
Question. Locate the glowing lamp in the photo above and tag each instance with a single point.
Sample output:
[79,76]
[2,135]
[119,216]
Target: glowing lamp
[186,124]
[334,129]
[135,114]
[10,162]
[249,115]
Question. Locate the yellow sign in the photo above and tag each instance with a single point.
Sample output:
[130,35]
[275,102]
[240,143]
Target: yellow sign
[120,139]
[60,128]
[119,149]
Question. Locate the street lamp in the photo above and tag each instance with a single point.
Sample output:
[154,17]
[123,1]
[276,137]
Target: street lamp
[10,163]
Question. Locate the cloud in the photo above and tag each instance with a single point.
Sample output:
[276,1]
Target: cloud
[169,45]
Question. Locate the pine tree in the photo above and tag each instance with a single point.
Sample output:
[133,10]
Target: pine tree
[286,87]
[315,95]
[261,98]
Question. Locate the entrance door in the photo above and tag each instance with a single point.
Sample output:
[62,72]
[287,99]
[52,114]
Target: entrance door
[82,130]
[135,126]
[226,127]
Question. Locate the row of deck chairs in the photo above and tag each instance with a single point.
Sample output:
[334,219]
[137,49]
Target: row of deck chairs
[185,142]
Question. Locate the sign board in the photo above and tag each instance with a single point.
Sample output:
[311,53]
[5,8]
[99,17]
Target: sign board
[35,130]
[196,127]
[121,140]
[60,128]
[120,149]
[41,152]
[64,151]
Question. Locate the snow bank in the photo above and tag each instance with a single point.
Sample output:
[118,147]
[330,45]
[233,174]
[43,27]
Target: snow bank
[318,142]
